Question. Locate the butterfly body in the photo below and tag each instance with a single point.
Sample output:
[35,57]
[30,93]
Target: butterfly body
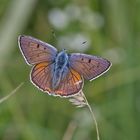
[60,68]
[59,74]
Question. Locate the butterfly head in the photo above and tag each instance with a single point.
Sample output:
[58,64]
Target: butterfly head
[64,50]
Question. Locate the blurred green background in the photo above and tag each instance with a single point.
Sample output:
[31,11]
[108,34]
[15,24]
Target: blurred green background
[111,29]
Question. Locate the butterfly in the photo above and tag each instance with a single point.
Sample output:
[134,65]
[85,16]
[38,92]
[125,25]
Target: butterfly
[59,73]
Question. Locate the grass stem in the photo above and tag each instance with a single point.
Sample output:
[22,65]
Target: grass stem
[93,116]
[9,95]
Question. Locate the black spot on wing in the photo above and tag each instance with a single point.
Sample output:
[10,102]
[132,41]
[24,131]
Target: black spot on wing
[37,46]
[89,60]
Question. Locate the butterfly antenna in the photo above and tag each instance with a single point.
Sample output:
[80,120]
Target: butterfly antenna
[84,42]
[54,35]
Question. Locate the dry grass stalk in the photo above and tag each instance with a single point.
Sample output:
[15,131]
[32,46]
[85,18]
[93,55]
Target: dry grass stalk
[10,94]
[80,100]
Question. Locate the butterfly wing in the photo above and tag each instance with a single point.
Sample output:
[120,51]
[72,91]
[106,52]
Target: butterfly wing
[90,67]
[69,85]
[36,51]
[42,75]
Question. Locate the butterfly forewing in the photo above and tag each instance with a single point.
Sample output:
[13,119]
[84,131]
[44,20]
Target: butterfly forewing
[36,51]
[90,67]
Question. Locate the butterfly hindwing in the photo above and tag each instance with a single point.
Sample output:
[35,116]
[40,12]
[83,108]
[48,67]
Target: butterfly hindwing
[90,67]
[70,85]
[36,51]
[42,75]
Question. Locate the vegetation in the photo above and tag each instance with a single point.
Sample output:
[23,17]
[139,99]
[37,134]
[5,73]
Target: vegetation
[109,29]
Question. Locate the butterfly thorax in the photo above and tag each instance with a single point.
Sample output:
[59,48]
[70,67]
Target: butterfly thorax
[60,68]
[61,59]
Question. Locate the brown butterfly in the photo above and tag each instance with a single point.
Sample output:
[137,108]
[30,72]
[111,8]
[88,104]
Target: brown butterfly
[59,73]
